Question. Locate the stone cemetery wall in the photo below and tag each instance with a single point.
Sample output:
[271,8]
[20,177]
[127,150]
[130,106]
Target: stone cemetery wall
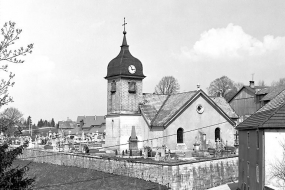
[187,175]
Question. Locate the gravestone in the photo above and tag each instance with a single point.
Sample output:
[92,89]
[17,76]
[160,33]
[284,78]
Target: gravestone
[156,158]
[145,153]
[133,140]
[163,150]
[181,146]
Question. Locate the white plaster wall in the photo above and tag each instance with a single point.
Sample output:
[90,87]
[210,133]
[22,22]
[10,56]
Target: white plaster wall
[112,132]
[273,153]
[190,119]
[126,123]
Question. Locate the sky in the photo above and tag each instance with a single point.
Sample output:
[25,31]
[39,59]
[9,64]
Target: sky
[194,41]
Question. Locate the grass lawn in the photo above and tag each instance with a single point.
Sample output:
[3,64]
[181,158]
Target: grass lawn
[49,176]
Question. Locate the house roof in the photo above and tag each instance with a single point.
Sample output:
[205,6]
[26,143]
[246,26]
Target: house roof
[100,129]
[66,124]
[159,110]
[273,92]
[255,90]
[91,120]
[272,115]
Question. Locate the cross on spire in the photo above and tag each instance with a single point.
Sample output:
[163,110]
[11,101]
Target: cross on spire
[124,26]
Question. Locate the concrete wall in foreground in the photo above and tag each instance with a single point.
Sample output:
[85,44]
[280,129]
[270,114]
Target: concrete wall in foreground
[198,175]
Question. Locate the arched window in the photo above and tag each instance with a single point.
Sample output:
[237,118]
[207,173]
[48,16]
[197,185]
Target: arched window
[217,134]
[180,135]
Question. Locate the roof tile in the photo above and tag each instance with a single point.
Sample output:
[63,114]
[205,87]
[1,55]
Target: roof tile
[268,115]
[225,106]
[91,120]
[171,106]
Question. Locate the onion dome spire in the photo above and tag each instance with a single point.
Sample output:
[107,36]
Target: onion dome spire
[119,66]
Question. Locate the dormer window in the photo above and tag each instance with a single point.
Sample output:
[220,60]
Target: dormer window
[113,86]
[132,87]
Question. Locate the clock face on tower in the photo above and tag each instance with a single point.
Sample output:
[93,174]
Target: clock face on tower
[132,69]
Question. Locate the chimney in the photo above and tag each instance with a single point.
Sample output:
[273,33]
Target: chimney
[95,117]
[198,86]
[251,84]
[219,94]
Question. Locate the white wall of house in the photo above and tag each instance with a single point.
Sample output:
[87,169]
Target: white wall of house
[274,153]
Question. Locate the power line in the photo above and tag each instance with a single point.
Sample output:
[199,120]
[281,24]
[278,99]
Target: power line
[144,140]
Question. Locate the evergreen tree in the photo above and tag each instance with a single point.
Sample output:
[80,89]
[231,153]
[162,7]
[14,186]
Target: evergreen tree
[41,123]
[52,123]
[45,123]
[11,177]
[29,121]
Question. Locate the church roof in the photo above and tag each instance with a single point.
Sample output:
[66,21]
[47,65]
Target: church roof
[118,67]
[269,116]
[160,110]
[225,106]
[151,105]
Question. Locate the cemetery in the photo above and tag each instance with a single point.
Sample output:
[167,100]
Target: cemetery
[178,169]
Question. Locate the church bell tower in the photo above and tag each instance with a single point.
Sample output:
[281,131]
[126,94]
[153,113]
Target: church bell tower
[124,87]
[124,94]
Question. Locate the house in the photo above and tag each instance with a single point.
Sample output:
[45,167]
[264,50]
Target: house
[251,98]
[135,119]
[270,93]
[67,126]
[261,146]
[91,124]
[247,100]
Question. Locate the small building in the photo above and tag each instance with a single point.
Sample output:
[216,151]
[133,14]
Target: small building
[251,98]
[91,124]
[262,146]
[67,126]
[247,100]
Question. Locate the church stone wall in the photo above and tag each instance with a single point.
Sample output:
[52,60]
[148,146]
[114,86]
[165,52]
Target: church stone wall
[190,119]
[122,101]
[130,101]
[191,175]
[113,99]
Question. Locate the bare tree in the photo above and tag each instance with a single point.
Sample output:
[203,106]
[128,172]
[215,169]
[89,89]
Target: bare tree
[167,85]
[281,82]
[220,86]
[10,35]
[10,118]
[278,168]
[238,85]
[261,83]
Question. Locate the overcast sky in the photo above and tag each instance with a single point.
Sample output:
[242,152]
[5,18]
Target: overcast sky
[194,41]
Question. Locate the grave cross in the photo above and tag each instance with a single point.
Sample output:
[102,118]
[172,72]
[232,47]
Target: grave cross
[124,25]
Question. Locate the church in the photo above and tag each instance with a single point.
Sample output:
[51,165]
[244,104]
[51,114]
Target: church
[136,120]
